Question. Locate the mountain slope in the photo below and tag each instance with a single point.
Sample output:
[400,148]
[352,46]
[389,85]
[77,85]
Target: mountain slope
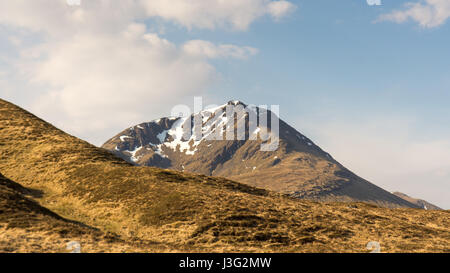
[26,226]
[159,210]
[298,167]
[419,202]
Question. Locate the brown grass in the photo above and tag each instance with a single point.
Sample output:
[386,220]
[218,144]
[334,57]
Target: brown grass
[155,210]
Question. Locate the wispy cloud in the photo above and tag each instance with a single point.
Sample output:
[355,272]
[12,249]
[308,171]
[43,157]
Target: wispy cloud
[428,14]
[211,14]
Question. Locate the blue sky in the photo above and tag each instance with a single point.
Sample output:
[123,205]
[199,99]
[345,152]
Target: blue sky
[370,84]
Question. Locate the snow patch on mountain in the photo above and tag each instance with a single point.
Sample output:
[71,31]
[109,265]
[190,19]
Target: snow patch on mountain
[123,138]
[162,136]
[180,137]
[209,131]
[133,156]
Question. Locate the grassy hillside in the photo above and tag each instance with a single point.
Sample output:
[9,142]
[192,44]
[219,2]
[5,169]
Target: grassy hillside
[25,226]
[160,210]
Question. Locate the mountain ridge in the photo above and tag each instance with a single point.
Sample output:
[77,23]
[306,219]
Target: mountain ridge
[298,167]
[420,202]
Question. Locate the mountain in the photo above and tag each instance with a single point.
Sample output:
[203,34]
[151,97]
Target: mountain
[148,209]
[419,202]
[298,167]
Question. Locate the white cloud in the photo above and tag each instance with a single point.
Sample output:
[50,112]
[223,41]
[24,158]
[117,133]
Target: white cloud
[429,13]
[279,9]
[97,82]
[238,14]
[112,72]
[93,70]
[388,152]
[59,17]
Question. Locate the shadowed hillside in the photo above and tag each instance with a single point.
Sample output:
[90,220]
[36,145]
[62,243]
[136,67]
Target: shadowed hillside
[28,227]
[162,210]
